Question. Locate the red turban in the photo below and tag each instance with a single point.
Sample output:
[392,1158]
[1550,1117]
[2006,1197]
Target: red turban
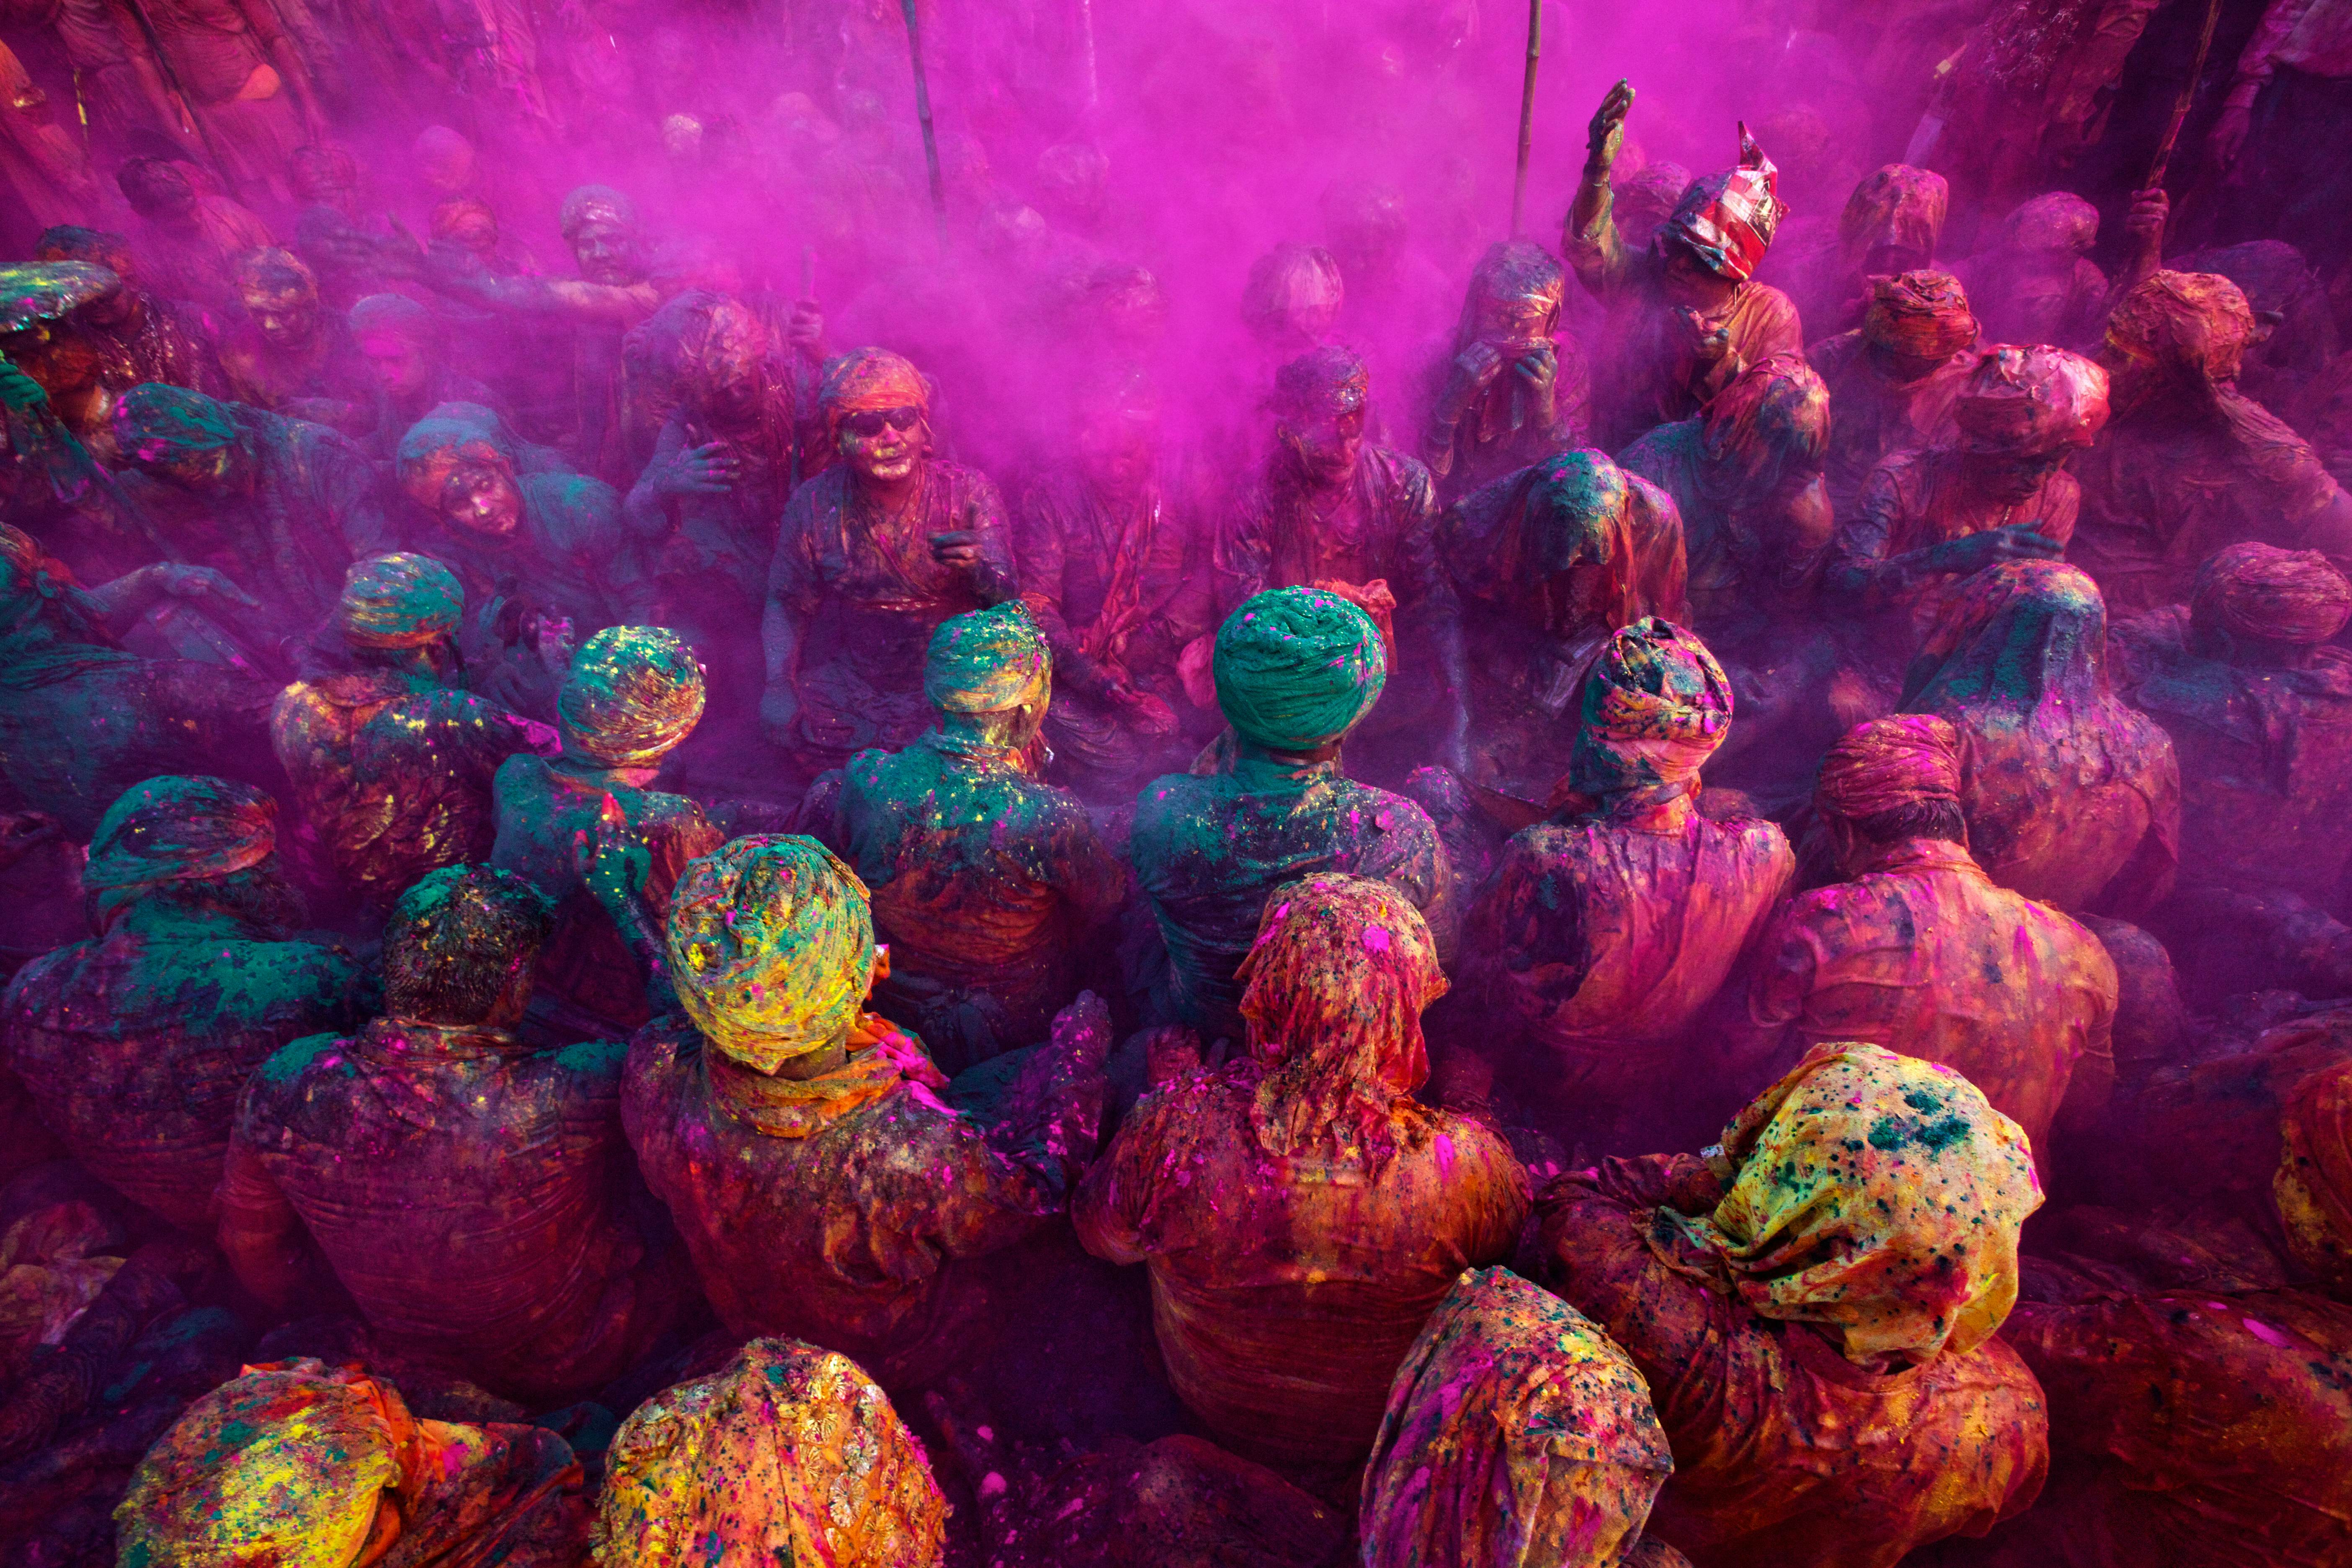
[1727,220]
[1888,764]
[2193,322]
[2260,590]
[1924,314]
[2030,401]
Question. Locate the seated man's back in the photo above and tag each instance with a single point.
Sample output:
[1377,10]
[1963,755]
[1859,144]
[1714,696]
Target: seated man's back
[984,880]
[1295,670]
[467,1190]
[136,1043]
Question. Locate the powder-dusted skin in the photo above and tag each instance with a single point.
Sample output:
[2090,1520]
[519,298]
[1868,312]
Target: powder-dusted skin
[136,1045]
[1922,953]
[1207,850]
[868,595]
[468,1193]
[1517,1437]
[1385,527]
[391,784]
[2072,797]
[788,1453]
[1286,1289]
[291,1462]
[983,881]
[1784,1450]
[855,1208]
[2191,1430]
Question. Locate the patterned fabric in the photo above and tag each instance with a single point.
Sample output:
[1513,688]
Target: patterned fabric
[788,1453]
[771,948]
[633,694]
[2028,401]
[1518,1435]
[1727,220]
[1657,706]
[1877,1194]
[1923,314]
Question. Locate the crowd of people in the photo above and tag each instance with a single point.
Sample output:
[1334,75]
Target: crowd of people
[1672,892]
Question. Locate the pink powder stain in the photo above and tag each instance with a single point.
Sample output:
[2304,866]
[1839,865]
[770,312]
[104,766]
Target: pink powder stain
[2268,1335]
[1444,1154]
[1375,940]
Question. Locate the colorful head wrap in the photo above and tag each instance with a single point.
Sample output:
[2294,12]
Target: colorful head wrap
[395,315]
[1727,220]
[2197,323]
[596,204]
[1656,705]
[1333,989]
[1573,508]
[788,1453]
[1513,270]
[679,335]
[1329,380]
[284,1464]
[180,828]
[1923,314]
[869,379]
[2061,220]
[454,436]
[398,601]
[1876,1193]
[1888,764]
[2313,1184]
[38,291]
[988,660]
[156,422]
[272,271]
[1296,668]
[771,948]
[1895,206]
[633,694]
[2254,590]
[2032,401]
[1516,1433]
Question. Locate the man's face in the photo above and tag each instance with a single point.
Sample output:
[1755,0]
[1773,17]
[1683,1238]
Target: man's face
[401,365]
[1691,283]
[735,365]
[476,233]
[286,318]
[1328,441]
[883,445]
[56,355]
[2013,478]
[171,203]
[482,498]
[2132,376]
[1117,448]
[606,253]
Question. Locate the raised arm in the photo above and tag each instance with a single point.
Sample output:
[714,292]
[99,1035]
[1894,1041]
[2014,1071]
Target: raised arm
[1591,242]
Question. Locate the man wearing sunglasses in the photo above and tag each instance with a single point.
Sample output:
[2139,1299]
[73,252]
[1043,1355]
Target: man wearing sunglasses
[874,553]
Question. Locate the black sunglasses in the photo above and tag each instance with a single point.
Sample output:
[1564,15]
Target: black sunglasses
[869,422]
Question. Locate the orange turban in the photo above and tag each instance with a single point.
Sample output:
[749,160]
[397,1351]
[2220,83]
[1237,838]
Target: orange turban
[2260,591]
[1924,314]
[2197,322]
[1888,764]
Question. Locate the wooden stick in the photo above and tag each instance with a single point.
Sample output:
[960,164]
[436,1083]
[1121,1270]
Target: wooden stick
[1527,116]
[2156,170]
[1086,48]
[923,114]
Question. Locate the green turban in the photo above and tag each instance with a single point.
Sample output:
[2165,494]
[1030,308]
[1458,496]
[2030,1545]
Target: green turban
[987,661]
[633,694]
[1296,668]
[771,948]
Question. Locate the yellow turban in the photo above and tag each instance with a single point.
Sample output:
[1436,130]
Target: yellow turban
[283,1464]
[788,1453]
[771,948]
[633,694]
[1876,1193]
[988,661]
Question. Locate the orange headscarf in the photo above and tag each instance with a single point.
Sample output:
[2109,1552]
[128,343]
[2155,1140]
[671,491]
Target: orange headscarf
[1890,763]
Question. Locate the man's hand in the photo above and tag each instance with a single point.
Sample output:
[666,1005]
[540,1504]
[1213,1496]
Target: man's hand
[1539,368]
[958,550]
[804,330]
[2017,542]
[19,390]
[182,582]
[2150,210]
[1475,370]
[1606,135]
[710,470]
[2228,139]
[1708,341]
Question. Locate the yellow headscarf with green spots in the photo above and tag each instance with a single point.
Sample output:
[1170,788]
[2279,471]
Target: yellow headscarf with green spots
[771,948]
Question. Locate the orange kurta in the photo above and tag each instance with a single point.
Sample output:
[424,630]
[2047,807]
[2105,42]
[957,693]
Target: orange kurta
[1923,954]
[1286,1290]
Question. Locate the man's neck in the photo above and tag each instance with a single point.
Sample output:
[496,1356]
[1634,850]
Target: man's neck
[817,1063]
[1910,851]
